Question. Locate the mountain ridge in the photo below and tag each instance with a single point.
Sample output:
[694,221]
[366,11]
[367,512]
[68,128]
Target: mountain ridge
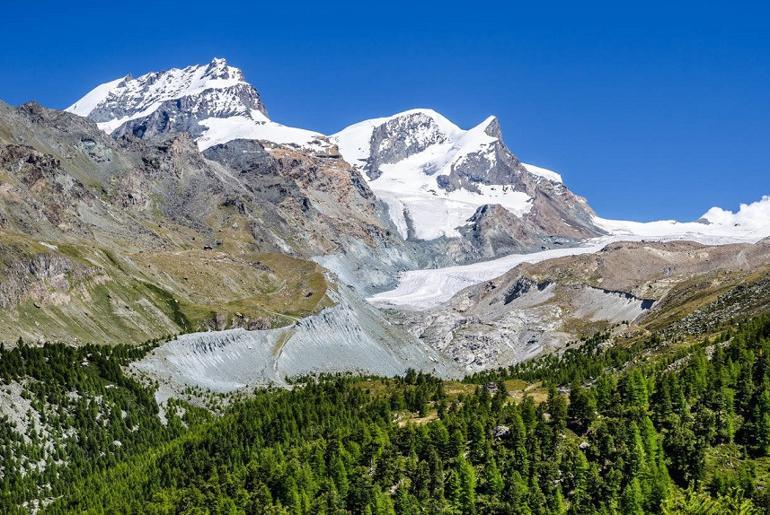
[442,224]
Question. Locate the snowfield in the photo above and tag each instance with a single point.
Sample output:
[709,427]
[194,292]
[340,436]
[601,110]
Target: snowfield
[255,126]
[717,226]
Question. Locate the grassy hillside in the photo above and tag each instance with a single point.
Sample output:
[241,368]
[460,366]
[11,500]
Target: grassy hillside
[79,293]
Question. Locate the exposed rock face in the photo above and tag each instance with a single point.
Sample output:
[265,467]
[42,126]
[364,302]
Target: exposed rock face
[399,138]
[34,276]
[332,211]
[494,231]
[495,165]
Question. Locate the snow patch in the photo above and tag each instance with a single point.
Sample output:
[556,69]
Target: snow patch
[543,172]
[258,127]
[93,98]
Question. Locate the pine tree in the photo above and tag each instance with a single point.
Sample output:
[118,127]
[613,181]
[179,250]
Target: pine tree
[493,478]
[632,502]
[762,419]
[582,408]
[467,476]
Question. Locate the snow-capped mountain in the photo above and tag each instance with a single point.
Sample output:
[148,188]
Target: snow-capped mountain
[428,170]
[211,102]
[458,196]
[439,180]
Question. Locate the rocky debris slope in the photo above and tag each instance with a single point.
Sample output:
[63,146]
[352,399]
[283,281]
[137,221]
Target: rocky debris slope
[741,297]
[351,336]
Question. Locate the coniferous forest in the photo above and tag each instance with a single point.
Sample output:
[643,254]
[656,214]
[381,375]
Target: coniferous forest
[681,431]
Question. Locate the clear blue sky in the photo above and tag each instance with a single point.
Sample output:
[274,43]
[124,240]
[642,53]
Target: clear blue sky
[650,109]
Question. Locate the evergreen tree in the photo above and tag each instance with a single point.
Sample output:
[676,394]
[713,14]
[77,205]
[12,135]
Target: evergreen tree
[467,494]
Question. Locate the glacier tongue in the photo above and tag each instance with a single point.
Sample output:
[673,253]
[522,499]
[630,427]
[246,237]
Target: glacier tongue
[428,288]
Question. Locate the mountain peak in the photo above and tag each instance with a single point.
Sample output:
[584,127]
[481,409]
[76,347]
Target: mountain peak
[211,102]
[491,127]
[219,69]
[433,175]
[114,103]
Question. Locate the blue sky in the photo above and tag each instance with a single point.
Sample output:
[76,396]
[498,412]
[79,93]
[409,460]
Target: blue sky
[649,109]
